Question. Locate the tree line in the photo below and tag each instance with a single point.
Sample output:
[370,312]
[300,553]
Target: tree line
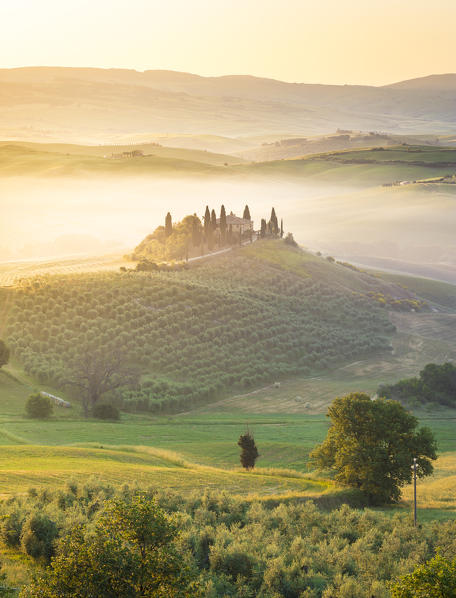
[193,236]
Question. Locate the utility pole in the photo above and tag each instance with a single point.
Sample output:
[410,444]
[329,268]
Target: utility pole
[414,490]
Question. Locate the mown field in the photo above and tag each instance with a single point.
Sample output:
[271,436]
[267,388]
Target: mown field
[12,272]
[194,450]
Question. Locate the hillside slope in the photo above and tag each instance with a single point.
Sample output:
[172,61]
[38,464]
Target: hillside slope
[355,167]
[238,321]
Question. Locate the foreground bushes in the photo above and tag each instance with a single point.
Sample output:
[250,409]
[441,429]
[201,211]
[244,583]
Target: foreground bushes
[257,549]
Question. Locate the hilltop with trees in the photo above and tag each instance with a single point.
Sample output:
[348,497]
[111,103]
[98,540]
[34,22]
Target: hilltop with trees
[196,237]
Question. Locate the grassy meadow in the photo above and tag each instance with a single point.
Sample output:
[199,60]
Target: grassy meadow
[354,167]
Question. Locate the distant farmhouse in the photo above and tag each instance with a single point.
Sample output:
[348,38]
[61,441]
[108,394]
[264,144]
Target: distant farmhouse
[132,154]
[238,224]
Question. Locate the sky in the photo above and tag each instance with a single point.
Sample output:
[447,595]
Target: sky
[369,42]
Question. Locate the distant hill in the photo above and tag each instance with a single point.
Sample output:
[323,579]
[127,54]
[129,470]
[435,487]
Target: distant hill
[431,82]
[92,105]
[357,167]
[293,147]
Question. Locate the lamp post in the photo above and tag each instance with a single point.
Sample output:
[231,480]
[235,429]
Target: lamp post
[414,490]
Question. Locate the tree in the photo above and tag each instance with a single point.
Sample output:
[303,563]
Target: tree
[249,452]
[196,231]
[434,579]
[263,228]
[129,554]
[274,223]
[168,225]
[246,214]
[4,354]
[281,228]
[38,406]
[371,445]
[96,371]
[207,221]
[230,235]
[223,225]
[213,220]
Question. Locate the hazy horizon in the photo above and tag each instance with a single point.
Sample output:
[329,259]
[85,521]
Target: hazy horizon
[347,42]
[252,75]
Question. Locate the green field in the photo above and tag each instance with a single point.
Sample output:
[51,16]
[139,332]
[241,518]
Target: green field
[193,451]
[197,447]
[364,167]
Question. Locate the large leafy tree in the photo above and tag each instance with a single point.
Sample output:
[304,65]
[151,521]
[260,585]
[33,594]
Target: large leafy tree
[434,579]
[371,445]
[130,553]
[4,353]
[95,370]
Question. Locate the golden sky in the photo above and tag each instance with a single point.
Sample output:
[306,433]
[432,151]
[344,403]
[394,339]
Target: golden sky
[370,42]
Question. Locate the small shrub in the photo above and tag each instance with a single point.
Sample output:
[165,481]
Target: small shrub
[38,407]
[38,535]
[106,411]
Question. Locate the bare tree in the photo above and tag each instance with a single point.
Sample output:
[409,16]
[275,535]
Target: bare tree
[97,371]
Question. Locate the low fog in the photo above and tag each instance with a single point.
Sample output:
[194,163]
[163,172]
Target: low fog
[409,229]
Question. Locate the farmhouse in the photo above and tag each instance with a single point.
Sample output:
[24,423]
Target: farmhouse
[132,154]
[237,224]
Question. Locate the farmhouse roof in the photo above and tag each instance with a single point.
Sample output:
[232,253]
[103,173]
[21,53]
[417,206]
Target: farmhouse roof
[233,219]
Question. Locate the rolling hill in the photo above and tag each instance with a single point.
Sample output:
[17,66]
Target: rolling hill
[355,167]
[90,105]
[240,320]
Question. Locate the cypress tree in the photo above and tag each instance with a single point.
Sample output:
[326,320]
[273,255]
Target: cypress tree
[246,215]
[168,225]
[274,223]
[207,221]
[213,220]
[230,234]
[207,227]
[249,452]
[196,235]
[263,228]
[223,225]
[281,228]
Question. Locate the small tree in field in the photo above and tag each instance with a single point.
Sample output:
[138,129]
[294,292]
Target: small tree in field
[371,445]
[38,407]
[249,452]
[434,579]
[4,354]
